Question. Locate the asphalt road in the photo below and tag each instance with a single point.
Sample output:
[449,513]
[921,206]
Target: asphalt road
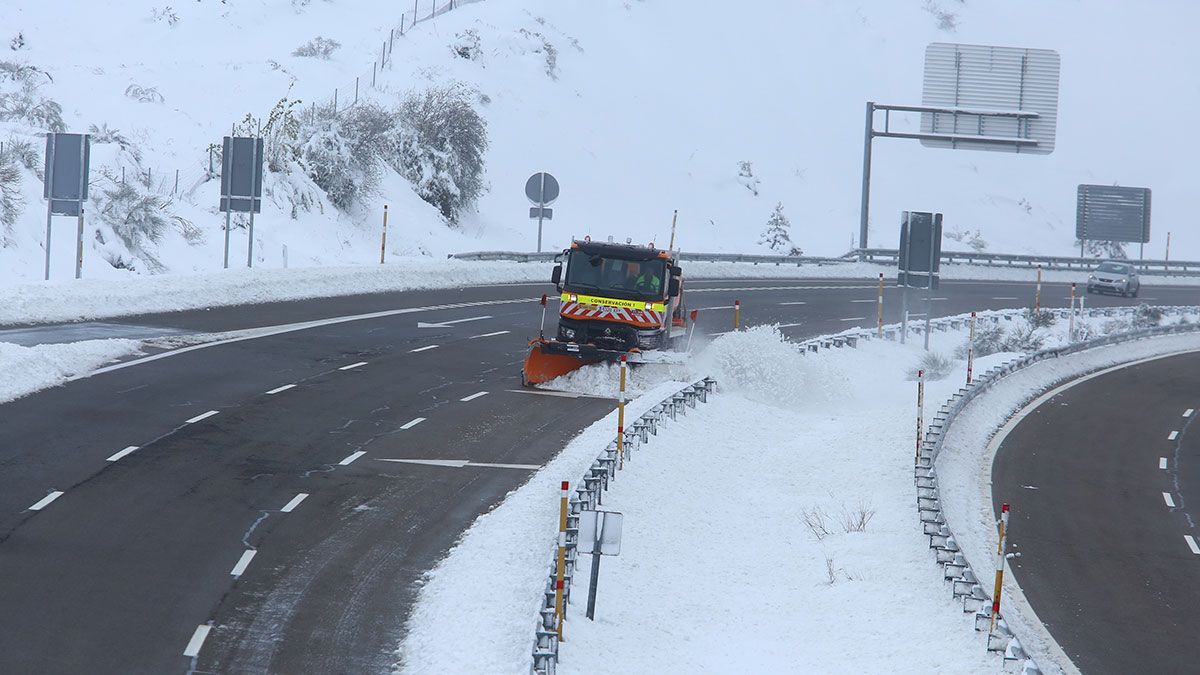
[196,552]
[1103,480]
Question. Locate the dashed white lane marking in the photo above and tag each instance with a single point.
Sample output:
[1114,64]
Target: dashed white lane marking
[856,318]
[203,416]
[45,501]
[499,332]
[1169,499]
[474,396]
[794,303]
[193,646]
[122,453]
[1162,463]
[1173,435]
[1188,412]
[413,423]
[1005,298]
[350,460]
[460,463]
[352,366]
[291,506]
[285,387]
[422,349]
[243,562]
[871,300]
[703,309]
[789,325]
[1191,542]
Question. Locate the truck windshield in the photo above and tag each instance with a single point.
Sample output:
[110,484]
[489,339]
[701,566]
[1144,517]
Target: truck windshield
[626,279]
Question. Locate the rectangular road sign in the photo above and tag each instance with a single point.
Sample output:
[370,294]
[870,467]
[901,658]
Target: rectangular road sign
[541,212]
[241,174]
[600,532]
[1112,213]
[991,93]
[68,159]
[920,249]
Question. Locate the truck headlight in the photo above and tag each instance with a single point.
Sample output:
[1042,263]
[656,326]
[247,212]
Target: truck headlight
[569,333]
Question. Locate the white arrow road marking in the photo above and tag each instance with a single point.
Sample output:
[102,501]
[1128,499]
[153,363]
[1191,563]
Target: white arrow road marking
[243,563]
[447,324]
[45,501]
[122,453]
[460,463]
[193,646]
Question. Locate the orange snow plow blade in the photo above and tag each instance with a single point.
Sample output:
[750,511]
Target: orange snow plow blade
[544,363]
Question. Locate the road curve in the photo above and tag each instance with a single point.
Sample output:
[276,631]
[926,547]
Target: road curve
[1104,480]
[232,508]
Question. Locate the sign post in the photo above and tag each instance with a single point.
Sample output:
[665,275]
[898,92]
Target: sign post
[920,260]
[542,190]
[241,184]
[599,534]
[68,158]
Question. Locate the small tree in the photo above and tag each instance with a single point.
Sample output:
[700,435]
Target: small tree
[442,141]
[777,236]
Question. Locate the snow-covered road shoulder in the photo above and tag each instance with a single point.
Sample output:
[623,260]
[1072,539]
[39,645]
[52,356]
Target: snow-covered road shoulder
[29,369]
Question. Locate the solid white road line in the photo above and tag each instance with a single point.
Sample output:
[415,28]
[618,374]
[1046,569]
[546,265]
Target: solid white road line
[285,387]
[291,506]
[422,349]
[499,332]
[871,300]
[45,501]
[352,366]
[243,563]
[1006,298]
[349,460]
[1169,499]
[793,303]
[193,646]
[204,416]
[447,324]
[474,396]
[460,463]
[1173,435]
[1162,463]
[505,466]
[788,325]
[1192,544]
[413,423]
[704,309]
[1188,412]
[858,318]
[122,453]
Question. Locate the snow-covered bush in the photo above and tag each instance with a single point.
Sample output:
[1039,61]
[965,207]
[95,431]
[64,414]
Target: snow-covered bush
[1094,248]
[747,178]
[20,100]
[973,240]
[936,366]
[11,202]
[1024,339]
[144,94]
[466,45]
[1040,319]
[777,236]
[17,43]
[1146,316]
[105,134]
[317,48]
[543,46]
[342,154]
[138,217]
[988,341]
[442,141]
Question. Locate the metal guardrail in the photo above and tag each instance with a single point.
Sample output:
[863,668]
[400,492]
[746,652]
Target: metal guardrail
[588,495]
[890,257]
[956,569]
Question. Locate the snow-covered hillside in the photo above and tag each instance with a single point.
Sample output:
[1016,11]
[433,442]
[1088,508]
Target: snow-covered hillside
[639,107]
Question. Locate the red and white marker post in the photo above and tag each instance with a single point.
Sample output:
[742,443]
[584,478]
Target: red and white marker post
[561,569]
[737,314]
[920,409]
[971,348]
[1000,564]
[1037,293]
[1071,322]
[692,328]
[542,328]
[879,319]
[621,418]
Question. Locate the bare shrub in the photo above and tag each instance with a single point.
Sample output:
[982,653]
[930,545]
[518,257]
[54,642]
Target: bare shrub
[1023,339]
[816,521]
[466,45]
[144,94]
[11,201]
[1040,319]
[1146,316]
[830,571]
[20,100]
[317,48]
[936,366]
[856,519]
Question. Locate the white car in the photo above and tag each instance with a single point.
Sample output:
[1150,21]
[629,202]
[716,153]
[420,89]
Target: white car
[1114,277]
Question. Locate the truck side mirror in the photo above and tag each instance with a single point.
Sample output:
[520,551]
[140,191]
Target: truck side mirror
[676,270]
[556,275]
[673,288]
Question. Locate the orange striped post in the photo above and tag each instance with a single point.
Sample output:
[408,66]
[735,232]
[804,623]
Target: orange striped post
[920,409]
[880,318]
[737,314]
[1037,294]
[1071,323]
[971,348]
[621,418]
[383,241]
[560,573]
[999,564]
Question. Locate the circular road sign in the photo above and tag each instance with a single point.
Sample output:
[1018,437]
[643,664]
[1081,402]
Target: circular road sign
[541,188]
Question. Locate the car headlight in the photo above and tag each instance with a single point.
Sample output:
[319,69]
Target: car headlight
[1091,277]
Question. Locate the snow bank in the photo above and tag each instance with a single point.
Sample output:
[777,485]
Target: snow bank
[28,369]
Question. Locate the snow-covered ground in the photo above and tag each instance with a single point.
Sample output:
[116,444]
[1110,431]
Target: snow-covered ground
[638,107]
[741,548]
[28,369]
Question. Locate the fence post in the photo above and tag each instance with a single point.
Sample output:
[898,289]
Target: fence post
[176,190]
[562,560]
[374,68]
[415,12]
[355,91]
[335,101]
[383,243]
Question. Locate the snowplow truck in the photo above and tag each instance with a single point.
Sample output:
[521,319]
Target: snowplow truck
[616,300]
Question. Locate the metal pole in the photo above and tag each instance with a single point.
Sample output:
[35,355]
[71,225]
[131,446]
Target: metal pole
[675,219]
[79,245]
[383,243]
[904,314]
[542,327]
[540,215]
[879,320]
[920,409]
[971,348]
[591,606]
[1071,324]
[355,90]
[621,419]
[335,101]
[176,190]
[228,213]
[541,206]
[250,245]
[374,67]
[50,201]
[929,282]
[865,207]
[1167,256]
